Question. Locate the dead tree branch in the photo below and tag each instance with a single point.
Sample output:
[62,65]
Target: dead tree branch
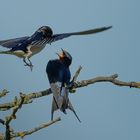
[29,132]
[112,79]
[9,118]
[12,135]
[9,134]
[3,93]
[78,84]
[17,103]
[76,74]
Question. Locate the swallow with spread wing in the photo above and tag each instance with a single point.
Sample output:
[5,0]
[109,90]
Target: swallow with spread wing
[26,47]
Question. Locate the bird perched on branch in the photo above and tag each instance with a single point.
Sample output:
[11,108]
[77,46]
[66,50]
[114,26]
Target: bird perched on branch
[59,77]
[26,47]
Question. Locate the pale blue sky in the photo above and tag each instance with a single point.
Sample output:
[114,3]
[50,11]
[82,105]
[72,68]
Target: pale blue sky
[107,112]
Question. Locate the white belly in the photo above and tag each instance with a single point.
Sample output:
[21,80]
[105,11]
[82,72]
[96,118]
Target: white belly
[36,49]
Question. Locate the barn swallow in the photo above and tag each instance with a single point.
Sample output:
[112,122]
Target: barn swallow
[26,47]
[59,78]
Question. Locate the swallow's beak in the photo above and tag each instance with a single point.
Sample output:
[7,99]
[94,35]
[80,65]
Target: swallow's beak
[63,51]
[60,55]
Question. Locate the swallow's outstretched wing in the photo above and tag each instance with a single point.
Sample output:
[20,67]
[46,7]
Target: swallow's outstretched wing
[11,43]
[57,37]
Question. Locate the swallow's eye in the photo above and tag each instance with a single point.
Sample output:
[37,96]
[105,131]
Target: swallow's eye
[48,33]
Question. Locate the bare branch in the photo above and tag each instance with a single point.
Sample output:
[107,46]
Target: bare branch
[29,132]
[28,98]
[9,134]
[76,74]
[3,93]
[77,84]
[112,79]
[1,136]
[8,119]
[15,109]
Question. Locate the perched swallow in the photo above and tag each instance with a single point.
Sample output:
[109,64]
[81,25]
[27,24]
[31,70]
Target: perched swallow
[26,47]
[59,77]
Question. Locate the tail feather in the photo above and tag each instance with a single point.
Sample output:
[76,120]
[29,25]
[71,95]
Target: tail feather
[61,100]
[72,109]
[18,53]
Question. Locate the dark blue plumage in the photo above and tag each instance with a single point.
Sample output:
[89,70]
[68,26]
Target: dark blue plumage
[59,77]
[25,47]
[58,72]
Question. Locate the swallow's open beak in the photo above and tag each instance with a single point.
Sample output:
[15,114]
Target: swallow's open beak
[60,55]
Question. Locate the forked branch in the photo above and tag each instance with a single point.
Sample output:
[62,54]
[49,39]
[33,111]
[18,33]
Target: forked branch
[77,84]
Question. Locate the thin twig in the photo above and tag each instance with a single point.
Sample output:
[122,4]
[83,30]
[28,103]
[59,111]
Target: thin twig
[76,74]
[15,109]
[8,119]
[3,93]
[1,136]
[28,98]
[29,132]
[112,79]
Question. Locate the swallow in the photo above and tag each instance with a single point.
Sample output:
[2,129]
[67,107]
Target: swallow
[26,47]
[59,76]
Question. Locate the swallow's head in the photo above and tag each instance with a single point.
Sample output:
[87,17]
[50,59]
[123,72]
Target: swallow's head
[65,57]
[46,31]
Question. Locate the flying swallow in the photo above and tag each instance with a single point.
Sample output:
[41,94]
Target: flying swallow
[26,47]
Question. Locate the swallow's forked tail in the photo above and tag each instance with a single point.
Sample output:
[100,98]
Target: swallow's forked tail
[69,106]
[72,109]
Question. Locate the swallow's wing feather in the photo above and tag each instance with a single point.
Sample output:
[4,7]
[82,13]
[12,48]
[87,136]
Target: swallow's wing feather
[57,98]
[57,37]
[56,89]
[54,107]
[53,72]
[11,43]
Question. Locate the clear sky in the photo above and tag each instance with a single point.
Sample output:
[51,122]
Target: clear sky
[107,112]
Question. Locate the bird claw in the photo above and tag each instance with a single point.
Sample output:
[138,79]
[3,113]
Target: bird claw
[73,90]
[30,66]
[71,87]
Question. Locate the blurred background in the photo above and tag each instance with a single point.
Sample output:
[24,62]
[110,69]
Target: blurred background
[107,112]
